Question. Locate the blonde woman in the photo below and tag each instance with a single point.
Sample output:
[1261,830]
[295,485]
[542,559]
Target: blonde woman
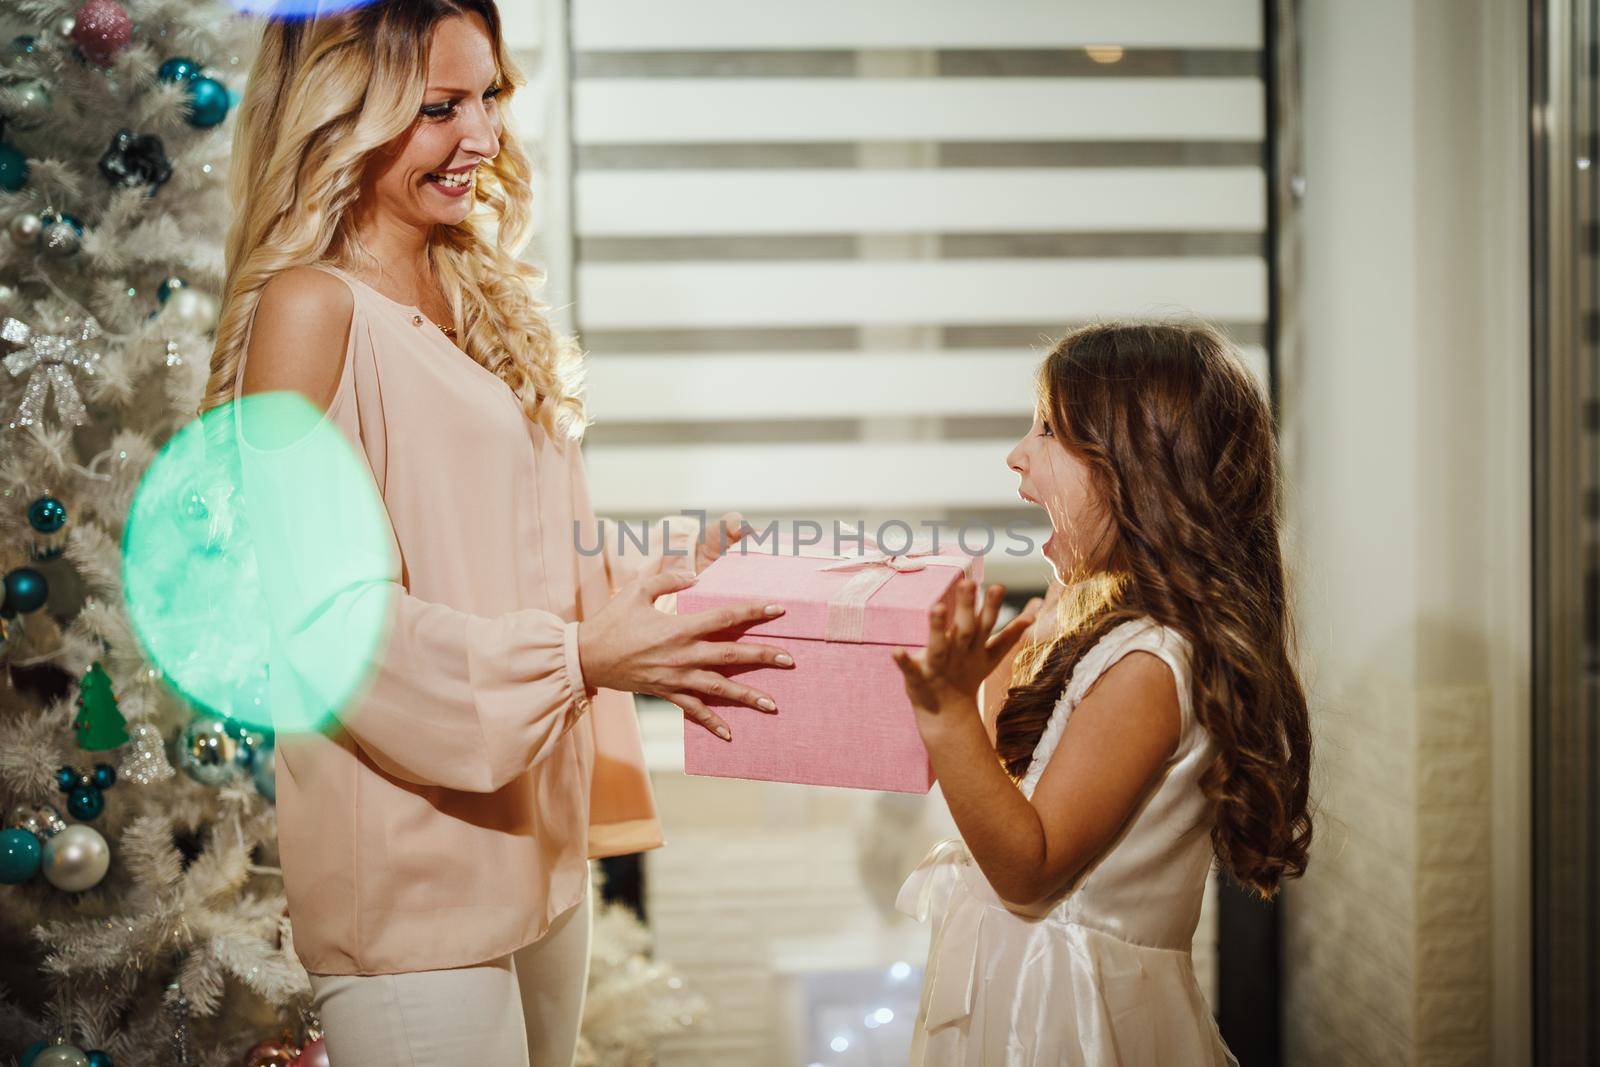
[435,842]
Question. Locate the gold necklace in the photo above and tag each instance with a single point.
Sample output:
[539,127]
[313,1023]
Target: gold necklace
[449,331]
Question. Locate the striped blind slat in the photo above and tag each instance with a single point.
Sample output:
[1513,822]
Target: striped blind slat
[806,110]
[797,478]
[683,203]
[842,24]
[700,387]
[922,292]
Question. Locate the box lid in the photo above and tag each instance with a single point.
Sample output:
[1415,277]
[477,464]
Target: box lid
[897,613]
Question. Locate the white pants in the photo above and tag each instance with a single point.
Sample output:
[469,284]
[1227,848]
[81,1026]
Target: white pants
[521,1009]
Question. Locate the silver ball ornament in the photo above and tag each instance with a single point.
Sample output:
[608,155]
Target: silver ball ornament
[64,27]
[76,859]
[8,293]
[25,228]
[25,817]
[28,107]
[60,238]
[191,309]
[40,820]
[61,1056]
[207,752]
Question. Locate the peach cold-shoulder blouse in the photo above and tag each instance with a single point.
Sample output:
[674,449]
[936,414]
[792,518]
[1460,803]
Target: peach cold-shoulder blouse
[450,815]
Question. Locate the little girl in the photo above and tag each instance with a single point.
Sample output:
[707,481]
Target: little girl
[1159,727]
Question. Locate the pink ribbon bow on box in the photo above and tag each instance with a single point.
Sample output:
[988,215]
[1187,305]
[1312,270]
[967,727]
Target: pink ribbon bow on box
[847,609]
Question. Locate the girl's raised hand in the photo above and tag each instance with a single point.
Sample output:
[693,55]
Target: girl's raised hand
[961,652]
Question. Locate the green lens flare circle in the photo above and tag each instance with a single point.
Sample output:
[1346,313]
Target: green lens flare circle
[258,568]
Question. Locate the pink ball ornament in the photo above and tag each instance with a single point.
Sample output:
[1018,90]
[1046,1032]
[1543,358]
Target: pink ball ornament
[315,1054]
[101,29]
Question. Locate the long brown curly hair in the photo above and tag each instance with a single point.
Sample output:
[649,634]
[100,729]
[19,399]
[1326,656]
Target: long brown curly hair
[1180,446]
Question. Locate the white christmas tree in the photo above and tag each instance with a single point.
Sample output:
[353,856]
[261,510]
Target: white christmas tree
[142,919]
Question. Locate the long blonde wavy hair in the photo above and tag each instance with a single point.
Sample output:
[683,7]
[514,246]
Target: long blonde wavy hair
[325,93]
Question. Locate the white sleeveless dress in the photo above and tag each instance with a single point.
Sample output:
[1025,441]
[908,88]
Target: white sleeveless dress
[1103,974]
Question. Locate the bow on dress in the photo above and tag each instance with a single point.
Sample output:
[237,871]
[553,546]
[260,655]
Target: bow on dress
[938,886]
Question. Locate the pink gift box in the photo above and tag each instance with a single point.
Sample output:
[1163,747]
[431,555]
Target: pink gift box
[843,716]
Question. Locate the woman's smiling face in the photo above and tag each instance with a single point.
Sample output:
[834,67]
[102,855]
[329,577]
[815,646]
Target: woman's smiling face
[458,127]
[1059,482]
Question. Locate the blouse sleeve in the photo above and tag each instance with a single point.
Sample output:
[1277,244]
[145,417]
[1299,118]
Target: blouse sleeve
[434,695]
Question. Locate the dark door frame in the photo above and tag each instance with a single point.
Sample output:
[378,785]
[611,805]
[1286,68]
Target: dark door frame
[1565,330]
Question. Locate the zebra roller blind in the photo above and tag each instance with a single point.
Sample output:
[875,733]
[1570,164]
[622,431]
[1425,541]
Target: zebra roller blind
[815,251]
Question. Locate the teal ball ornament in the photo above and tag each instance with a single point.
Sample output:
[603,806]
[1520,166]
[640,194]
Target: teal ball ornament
[179,69]
[208,102]
[47,515]
[22,45]
[169,286]
[98,1058]
[13,168]
[85,802]
[264,773]
[26,591]
[20,856]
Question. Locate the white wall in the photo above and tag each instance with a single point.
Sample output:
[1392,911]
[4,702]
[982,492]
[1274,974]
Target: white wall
[1407,418]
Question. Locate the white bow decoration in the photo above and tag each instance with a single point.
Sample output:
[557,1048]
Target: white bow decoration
[47,356]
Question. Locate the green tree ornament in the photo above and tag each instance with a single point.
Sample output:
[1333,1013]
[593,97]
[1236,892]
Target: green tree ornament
[99,724]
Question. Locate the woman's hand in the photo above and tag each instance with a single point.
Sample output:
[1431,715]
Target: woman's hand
[942,679]
[630,646]
[710,546]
